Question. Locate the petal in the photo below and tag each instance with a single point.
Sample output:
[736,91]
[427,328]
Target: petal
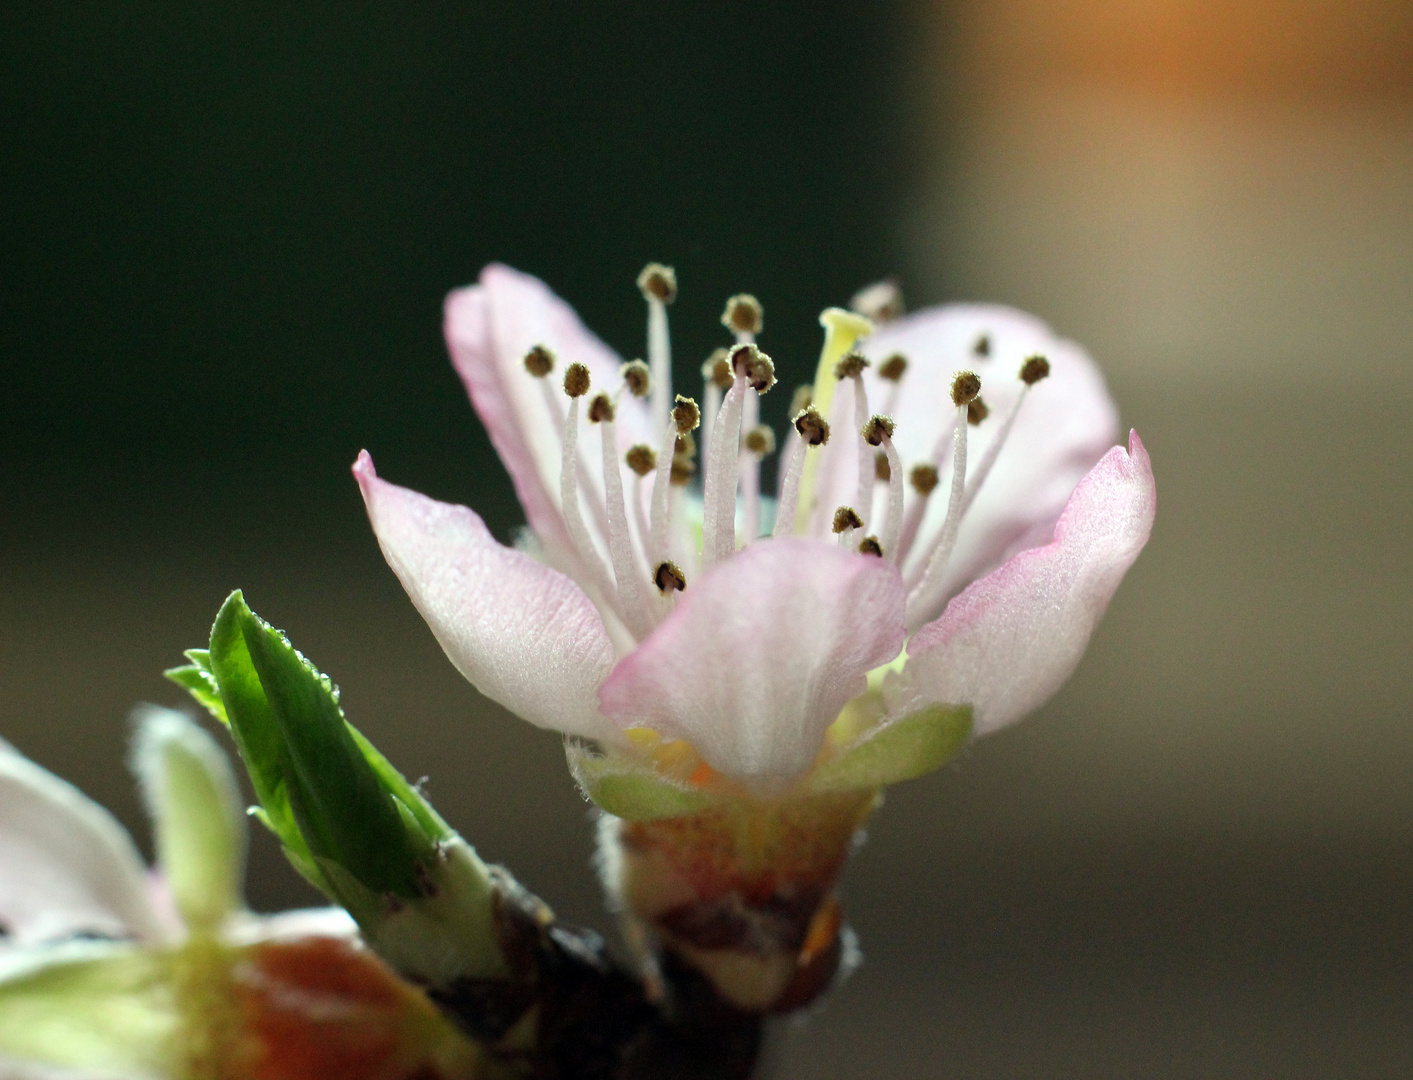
[761,654]
[334,922]
[1065,425]
[66,866]
[1010,640]
[524,634]
[489,328]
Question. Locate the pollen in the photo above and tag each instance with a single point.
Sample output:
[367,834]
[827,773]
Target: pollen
[893,368]
[813,428]
[539,361]
[869,545]
[718,369]
[658,282]
[846,518]
[641,458]
[601,409]
[882,471]
[760,440]
[923,479]
[982,345]
[576,380]
[877,429]
[1034,369]
[757,368]
[882,301]
[686,415]
[852,364]
[743,314]
[977,411]
[668,577]
[637,377]
[965,387]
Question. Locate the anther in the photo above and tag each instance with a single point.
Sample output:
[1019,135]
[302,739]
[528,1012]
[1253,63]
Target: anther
[668,577]
[637,377]
[683,470]
[686,415]
[658,282]
[852,364]
[743,314]
[576,380]
[892,369]
[801,399]
[845,519]
[877,429]
[977,411]
[882,471]
[813,428]
[924,479]
[600,409]
[757,368]
[1034,369]
[882,301]
[869,545]
[717,369]
[982,346]
[760,440]
[539,361]
[684,446]
[641,458]
[965,387]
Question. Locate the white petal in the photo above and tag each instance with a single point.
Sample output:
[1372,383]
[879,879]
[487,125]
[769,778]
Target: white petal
[66,866]
[523,633]
[1009,641]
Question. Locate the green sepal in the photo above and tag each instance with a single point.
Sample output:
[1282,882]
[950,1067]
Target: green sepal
[199,680]
[902,749]
[627,789]
[105,1007]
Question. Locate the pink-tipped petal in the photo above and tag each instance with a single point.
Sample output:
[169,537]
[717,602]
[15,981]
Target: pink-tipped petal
[1010,640]
[1065,425]
[524,634]
[761,654]
[66,866]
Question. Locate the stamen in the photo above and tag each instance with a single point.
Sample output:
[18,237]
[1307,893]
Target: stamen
[893,369]
[685,417]
[760,441]
[659,287]
[845,518]
[576,380]
[743,316]
[620,543]
[801,399]
[852,366]
[882,301]
[877,429]
[637,377]
[1032,371]
[539,361]
[923,479]
[881,469]
[719,489]
[569,493]
[601,409]
[716,376]
[965,387]
[977,411]
[982,347]
[669,577]
[841,330]
[811,429]
[869,545]
[641,458]
[893,512]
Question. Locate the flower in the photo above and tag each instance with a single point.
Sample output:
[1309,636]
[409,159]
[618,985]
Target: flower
[107,971]
[670,628]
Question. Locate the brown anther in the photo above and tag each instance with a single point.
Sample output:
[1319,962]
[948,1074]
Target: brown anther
[760,440]
[682,472]
[576,380]
[882,471]
[801,399]
[641,458]
[869,545]
[1034,369]
[684,446]
[637,378]
[977,411]
[845,518]
[923,478]
[668,577]
[686,415]
[757,368]
[658,282]
[718,369]
[982,346]
[601,409]
[877,429]
[813,428]
[743,314]
[882,301]
[965,387]
[892,369]
[852,364]
[539,361]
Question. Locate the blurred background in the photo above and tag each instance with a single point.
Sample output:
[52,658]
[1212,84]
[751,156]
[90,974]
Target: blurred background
[227,231]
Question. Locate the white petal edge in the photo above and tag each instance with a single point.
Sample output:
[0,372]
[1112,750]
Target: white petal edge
[1009,641]
[522,633]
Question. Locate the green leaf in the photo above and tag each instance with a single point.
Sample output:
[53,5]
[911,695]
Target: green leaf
[904,749]
[199,681]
